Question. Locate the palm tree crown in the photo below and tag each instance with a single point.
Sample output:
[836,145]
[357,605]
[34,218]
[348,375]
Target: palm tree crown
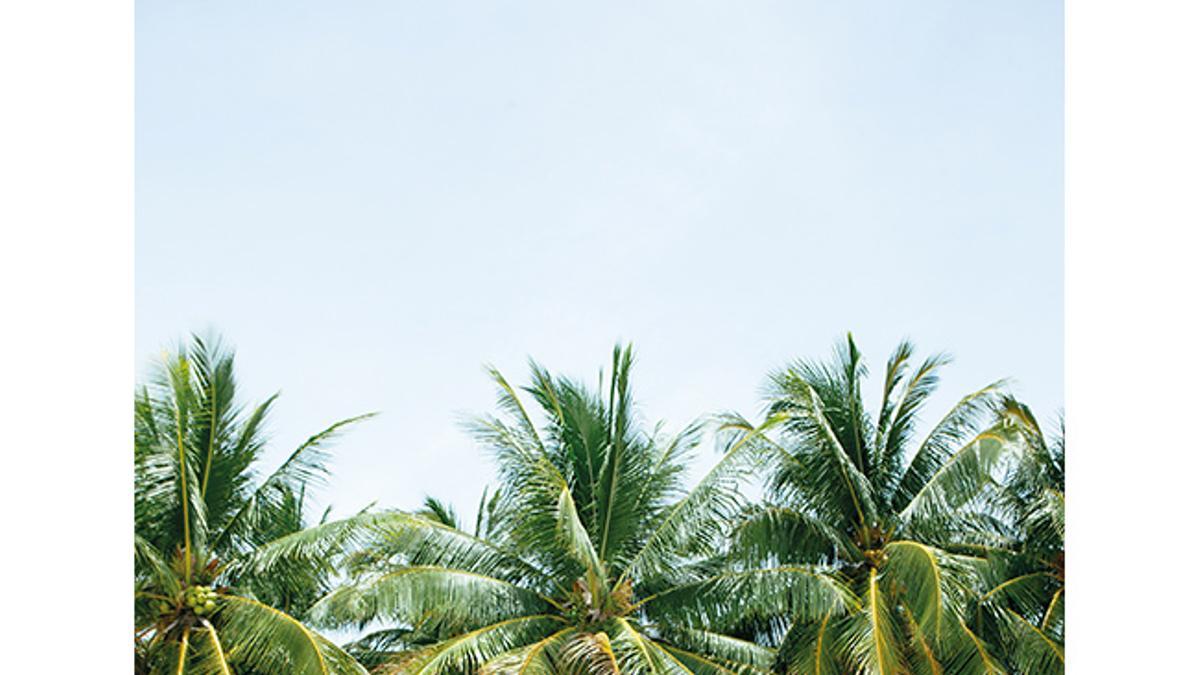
[202,603]
[901,521]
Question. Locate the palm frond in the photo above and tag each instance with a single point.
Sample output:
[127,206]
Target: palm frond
[306,465]
[959,479]
[932,584]
[149,565]
[961,423]
[269,640]
[901,425]
[805,592]
[468,651]
[836,484]
[613,474]
[811,646]
[574,536]
[770,532]
[1031,649]
[696,522]
[978,658]
[871,639]
[411,595]
[593,653]
[214,657]
[384,535]
[441,512]
[533,659]
[728,653]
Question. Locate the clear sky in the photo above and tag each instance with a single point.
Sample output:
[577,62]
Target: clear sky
[372,199]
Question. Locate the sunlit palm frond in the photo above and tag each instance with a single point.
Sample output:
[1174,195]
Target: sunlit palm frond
[769,532]
[212,657]
[697,522]
[268,640]
[837,485]
[537,658]
[933,585]
[900,426]
[467,652]
[871,638]
[958,426]
[574,536]
[805,592]
[978,656]
[305,465]
[410,595]
[723,651]
[959,479]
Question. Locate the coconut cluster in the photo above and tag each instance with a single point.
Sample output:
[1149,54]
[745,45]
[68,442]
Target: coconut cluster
[201,599]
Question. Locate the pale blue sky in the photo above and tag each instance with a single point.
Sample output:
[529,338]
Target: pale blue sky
[372,199]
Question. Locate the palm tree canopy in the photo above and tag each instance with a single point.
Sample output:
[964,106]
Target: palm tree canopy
[592,555]
[905,519]
[201,511]
[877,548]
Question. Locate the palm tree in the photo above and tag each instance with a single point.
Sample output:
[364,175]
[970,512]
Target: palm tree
[1022,606]
[203,603]
[903,523]
[591,557]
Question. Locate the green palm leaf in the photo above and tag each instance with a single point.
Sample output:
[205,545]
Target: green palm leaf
[471,650]
[872,640]
[304,466]
[271,641]
[960,479]
[411,594]
[805,592]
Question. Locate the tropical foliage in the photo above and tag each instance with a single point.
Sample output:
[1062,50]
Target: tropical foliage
[904,522]
[591,557]
[872,549]
[1023,604]
[201,512]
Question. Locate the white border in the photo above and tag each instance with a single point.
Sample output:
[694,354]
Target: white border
[1133,110]
[66,270]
